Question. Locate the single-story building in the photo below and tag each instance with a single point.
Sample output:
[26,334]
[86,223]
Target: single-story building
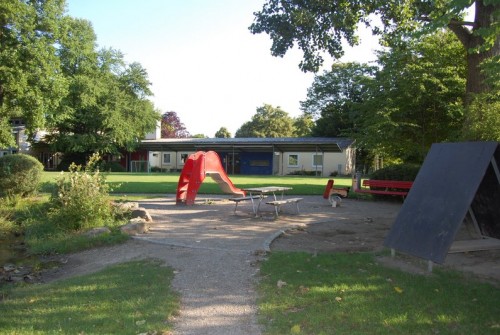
[250,156]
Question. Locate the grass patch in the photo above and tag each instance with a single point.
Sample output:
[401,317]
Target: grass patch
[28,217]
[129,298]
[352,294]
[166,183]
[61,242]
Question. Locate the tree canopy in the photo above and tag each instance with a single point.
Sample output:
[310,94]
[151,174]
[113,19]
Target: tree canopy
[172,127]
[268,121]
[223,133]
[31,85]
[53,77]
[323,25]
[106,109]
[398,109]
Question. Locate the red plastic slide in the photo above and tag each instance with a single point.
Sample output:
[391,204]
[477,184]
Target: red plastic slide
[196,168]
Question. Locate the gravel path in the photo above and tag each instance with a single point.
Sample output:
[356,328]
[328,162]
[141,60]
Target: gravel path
[218,251]
[214,252]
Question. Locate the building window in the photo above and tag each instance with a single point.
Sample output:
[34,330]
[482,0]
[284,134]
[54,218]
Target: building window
[293,160]
[184,158]
[317,160]
[166,159]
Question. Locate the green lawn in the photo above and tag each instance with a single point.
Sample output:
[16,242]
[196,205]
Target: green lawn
[352,294]
[129,298]
[167,183]
[317,294]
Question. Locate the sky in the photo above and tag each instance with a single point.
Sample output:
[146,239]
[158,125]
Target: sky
[202,61]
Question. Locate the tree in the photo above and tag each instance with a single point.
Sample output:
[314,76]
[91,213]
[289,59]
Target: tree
[223,133]
[334,97]
[106,110]
[398,109]
[172,127]
[322,25]
[416,98]
[268,121]
[303,125]
[31,85]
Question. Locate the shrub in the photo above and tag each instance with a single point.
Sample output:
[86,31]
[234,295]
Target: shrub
[112,167]
[402,172]
[304,173]
[19,175]
[158,169]
[81,199]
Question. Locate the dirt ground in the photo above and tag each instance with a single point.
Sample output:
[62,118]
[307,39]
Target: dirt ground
[363,225]
[356,225]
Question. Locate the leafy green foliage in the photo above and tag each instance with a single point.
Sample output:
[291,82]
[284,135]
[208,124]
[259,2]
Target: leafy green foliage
[268,121]
[484,117]
[106,109]
[415,98]
[401,172]
[223,133]
[320,26]
[303,125]
[335,96]
[323,25]
[20,174]
[81,199]
[31,84]
[111,167]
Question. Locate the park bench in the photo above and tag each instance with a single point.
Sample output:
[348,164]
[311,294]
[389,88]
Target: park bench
[237,200]
[278,203]
[385,187]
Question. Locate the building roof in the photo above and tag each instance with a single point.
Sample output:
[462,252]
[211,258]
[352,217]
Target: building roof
[254,144]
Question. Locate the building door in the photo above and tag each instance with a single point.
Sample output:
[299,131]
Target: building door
[232,163]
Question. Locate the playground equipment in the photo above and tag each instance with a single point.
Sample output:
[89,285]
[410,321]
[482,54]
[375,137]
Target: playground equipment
[458,183]
[196,168]
[334,194]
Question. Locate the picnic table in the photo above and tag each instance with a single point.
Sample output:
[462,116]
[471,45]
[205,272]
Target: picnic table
[260,193]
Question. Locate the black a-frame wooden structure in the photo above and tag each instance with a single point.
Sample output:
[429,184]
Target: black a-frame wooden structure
[456,181]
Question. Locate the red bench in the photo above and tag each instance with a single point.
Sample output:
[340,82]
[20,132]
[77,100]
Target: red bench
[387,187]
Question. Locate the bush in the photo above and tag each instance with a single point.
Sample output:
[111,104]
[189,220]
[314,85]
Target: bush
[401,172]
[19,175]
[158,169]
[112,167]
[81,200]
[304,173]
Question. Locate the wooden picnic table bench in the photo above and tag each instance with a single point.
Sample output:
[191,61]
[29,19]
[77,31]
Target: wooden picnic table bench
[385,187]
[237,200]
[278,203]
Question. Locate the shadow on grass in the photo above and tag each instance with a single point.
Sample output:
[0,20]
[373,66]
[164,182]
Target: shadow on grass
[128,298]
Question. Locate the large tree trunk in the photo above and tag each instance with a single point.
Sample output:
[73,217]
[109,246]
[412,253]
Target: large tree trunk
[484,18]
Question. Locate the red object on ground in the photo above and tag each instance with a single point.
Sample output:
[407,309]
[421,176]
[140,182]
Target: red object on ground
[328,188]
[196,168]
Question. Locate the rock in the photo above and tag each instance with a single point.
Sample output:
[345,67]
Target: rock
[141,213]
[97,231]
[126,206]
[135,226]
